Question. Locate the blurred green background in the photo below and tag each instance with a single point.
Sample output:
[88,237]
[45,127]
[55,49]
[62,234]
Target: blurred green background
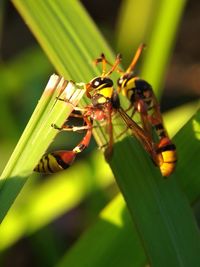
[24,71]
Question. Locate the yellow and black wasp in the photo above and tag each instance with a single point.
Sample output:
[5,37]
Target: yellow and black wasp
[104,102]
[143,101]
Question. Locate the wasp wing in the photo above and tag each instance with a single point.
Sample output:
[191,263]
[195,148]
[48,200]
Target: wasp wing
[139,133]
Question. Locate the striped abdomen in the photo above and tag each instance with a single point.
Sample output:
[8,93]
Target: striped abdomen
[55,161]
[166,156]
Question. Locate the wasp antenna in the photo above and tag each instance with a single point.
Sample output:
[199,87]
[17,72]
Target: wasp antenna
[119,57]
[143,45]
[99,59]
[115,65]
[104,62]
[96,61]
[136,57]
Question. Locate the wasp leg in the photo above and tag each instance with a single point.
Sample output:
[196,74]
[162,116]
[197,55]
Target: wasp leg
[69,128]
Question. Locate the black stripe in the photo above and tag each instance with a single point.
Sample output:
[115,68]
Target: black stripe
[162,134]
[159,126]
[42,165]
[48,163]
[169,147]
[171,161]
[60,162]
[143,85]
[36,169]
[105,85]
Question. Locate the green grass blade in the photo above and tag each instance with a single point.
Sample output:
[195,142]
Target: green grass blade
[188,146]
[36,138]
[75,45]
[152,202]
[113,241]
[114,227]
[161,43]
[129,37]
[180,116]
[157,27]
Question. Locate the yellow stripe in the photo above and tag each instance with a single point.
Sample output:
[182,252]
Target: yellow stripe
[106,92]
[167,168]
[55,167]
[169,156]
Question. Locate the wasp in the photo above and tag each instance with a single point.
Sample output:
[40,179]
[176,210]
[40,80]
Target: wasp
[143,101]
[104,101]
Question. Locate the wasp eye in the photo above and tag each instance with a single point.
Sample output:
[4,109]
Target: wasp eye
[96,82]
